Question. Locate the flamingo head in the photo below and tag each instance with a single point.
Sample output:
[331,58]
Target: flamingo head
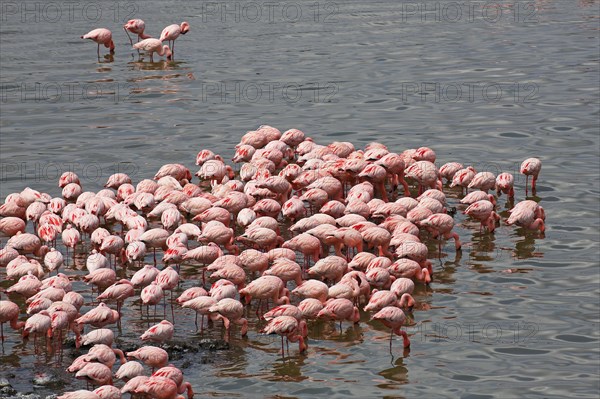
[185,27]
[168,52]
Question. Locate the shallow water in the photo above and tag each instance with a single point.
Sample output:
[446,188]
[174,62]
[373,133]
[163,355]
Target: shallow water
[499,84]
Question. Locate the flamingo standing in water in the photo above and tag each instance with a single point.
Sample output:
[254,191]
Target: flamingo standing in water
[101,36]
[172,32]
[393,318]
[152,46]
[289,327]
[9,312]
[531,167]
[137,27]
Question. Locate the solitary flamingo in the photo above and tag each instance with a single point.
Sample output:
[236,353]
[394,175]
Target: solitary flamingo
[101,36]
[172,32]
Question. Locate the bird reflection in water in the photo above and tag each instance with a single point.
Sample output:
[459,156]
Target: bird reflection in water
[395,375]
[288,369]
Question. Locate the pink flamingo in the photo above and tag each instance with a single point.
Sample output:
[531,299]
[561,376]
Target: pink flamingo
[266,287]
[289,327]
[9,312]
[135,26]
[526,217]
[101,36]
[133,384]
[312,289]
[160,332]
[155,238]
[27,285]
[448,170]
[159,388]
[409,268]
[307,244]
[483,211]
[118,292]
[95,373]
[144,276]
[383,298]
[98,336]
[393,318]
[53,260]
[286,270]
[200,304]
[9,226]
[172,32]
[483,181]
[106,355]
[151,356]
[230,311]
[100,316]
[463,177]
[441,224]
[339,309]
[152,294]
[79,394]
[129,370]
[504,184]
[531,167]
[152,46]
[176,375]
[70,237]
[107,392]
[310,308]
[331,268]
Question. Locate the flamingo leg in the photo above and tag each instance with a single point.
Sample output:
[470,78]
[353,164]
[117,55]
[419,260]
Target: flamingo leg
[130,41]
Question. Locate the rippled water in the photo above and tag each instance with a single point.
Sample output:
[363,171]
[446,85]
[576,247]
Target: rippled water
[490,86]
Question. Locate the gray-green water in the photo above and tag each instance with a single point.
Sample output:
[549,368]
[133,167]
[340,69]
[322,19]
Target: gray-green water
[488,84]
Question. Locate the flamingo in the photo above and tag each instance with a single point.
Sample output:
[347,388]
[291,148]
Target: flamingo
[172,32]
[79,394]
[100,316]
[151,356]
[160,332]
[289,327]
[339,309]
[100,36]
[118,292]
[159,388]
[230,311]
[174,374]
[152,46]
[135,26]
[129,370]
[531,167]
[441,224]
[393,318]
[201,304]
[98,336]
[504,184]
[108,392]
[9,312]
[266,287]
[95,373]
[10,226]
[106,355]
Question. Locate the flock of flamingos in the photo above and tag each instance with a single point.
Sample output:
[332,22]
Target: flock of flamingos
[145,43]
[359,219]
